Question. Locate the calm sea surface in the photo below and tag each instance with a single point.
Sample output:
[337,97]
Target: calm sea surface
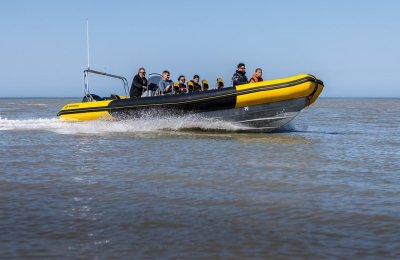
[327,186]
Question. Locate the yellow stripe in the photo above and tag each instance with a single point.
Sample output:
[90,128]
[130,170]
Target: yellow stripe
[274,95]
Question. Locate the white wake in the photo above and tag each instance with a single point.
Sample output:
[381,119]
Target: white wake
[140,125]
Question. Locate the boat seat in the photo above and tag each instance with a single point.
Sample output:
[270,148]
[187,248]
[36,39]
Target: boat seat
[190,86]
[114,96]
[152,87]
[176,88]
[152,90]
[204,85]
[220,83]
[91,97]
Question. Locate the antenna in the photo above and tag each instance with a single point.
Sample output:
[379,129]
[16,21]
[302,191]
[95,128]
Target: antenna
[86,72]
[87,43]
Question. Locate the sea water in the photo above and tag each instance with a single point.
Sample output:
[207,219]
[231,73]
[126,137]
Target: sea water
[325,186]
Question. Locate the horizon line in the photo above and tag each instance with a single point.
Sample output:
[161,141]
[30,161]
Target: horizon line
[70,97]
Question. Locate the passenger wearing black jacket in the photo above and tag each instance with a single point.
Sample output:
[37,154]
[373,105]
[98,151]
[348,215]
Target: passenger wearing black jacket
[196,85]
[139,83]
[239,77]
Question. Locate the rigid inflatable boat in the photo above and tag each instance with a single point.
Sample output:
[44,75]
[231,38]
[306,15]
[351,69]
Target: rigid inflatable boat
[262,106]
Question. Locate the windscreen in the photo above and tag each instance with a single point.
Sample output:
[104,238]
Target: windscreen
[153,81]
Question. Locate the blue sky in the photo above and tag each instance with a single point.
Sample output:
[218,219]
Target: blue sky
[353,46]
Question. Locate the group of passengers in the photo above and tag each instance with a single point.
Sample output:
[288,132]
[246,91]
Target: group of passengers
[192,86]
[167,86]
[239,78]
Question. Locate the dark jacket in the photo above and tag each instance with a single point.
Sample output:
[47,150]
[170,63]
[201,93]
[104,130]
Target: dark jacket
[182,88]
[239,78]
[196,86]
[137,86]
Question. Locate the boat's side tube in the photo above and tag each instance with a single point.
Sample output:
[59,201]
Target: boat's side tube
[276,90]
[84,111]
[319,86]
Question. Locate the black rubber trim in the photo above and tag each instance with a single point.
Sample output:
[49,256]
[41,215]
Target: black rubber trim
[278,86]
[203,101]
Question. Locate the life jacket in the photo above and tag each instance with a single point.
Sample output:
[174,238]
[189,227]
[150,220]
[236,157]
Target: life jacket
[255,78]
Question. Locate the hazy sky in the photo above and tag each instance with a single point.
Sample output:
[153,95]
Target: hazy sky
[353,46]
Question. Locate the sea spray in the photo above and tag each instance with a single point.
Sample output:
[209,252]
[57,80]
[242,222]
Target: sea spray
[138,125]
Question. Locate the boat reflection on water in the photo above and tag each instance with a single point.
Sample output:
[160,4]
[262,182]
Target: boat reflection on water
[274,138]
[240,137]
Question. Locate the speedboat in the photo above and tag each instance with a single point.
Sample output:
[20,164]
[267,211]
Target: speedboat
[262,107]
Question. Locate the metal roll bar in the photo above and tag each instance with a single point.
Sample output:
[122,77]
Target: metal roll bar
[86,81]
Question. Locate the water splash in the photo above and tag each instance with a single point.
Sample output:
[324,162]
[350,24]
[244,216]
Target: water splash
[139,125]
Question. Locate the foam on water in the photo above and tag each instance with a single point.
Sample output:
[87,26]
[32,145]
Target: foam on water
[140,125]
[39,105]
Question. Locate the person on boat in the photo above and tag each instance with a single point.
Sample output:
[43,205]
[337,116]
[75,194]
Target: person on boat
[196,85]
[257,76]
[182,85]
[139,83]
[166,84]
[239,77]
